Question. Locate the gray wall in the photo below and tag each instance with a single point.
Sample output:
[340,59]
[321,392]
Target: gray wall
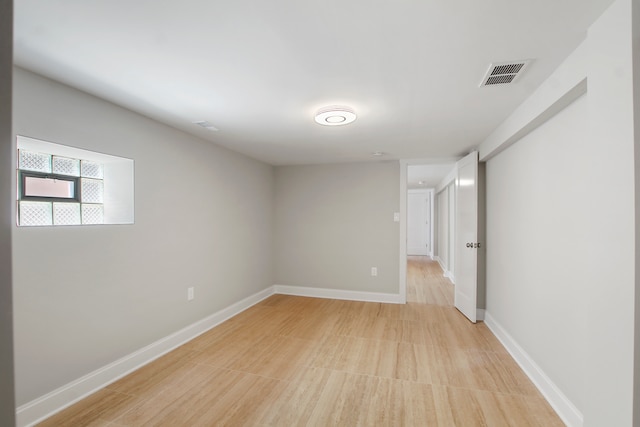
[86,296]
[334,222]
[636,118]
[7,400]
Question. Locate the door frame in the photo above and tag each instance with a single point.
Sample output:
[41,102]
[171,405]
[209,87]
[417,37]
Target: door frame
[404,165]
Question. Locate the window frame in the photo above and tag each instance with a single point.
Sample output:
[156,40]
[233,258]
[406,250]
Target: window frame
[24,174]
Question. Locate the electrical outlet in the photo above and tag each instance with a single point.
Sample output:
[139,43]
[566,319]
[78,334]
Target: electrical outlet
[190,293]
[374,271]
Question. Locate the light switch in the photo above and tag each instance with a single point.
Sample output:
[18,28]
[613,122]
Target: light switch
[396,217]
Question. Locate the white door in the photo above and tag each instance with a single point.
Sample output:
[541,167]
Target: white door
[418,211]
[466,239]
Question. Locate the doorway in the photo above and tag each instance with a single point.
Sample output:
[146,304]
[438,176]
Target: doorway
[421,182]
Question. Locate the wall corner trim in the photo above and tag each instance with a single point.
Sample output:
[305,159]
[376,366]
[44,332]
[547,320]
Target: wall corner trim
[45,406]
[569,414]
[304,291]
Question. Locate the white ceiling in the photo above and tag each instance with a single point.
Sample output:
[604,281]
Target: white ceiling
[427,176]
[258,70]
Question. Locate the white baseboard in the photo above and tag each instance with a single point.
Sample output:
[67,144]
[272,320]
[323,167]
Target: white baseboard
[43,407]
[417,251]
[47,405]
[480,313]
[561,404]
[303,291]
[439,260]
[449,275]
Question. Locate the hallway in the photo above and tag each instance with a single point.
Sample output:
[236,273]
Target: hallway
[426,283]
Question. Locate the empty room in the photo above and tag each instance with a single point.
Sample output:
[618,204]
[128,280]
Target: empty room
[350,213]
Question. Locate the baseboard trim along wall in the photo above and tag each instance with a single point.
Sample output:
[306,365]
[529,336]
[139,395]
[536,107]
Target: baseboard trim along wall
[43,407]
[303,291]
[447,273]
[571,416]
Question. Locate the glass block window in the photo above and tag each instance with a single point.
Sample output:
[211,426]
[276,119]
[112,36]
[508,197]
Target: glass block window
[35,213]
[37,162]
[92,214]
[66,213]
[92,170]
[57,190]
[66,166]
[92,190]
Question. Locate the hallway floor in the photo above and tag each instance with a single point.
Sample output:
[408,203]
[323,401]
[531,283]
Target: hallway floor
[426,284]
[296,361]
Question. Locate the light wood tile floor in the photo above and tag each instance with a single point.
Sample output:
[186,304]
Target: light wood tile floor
[294,361]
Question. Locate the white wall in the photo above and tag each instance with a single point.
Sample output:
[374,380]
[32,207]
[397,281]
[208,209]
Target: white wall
[86,296]
[635,24]
[560,243]
[539,245]
[419,222]
[446,223]
[334,222]
[7,399]
[610,313]
[442,235]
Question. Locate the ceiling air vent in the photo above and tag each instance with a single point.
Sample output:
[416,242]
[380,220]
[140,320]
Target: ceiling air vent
[504,72]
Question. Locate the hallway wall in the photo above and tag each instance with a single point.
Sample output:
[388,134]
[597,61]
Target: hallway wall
[561,238]
[538,247]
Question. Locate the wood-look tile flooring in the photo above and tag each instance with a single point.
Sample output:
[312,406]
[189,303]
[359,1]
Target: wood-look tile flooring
[294,361]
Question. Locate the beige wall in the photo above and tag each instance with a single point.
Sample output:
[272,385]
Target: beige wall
[86,296]
[334,222]
[7,401]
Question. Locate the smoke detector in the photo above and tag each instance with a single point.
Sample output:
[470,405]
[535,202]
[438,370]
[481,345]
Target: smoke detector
[504,72]
[207,125]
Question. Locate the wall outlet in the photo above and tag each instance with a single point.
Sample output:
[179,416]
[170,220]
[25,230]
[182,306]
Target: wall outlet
[374,271]
[190,293]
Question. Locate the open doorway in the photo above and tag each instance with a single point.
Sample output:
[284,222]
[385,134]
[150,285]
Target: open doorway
[427,222]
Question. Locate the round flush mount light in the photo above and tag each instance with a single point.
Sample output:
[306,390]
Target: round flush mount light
[335,116]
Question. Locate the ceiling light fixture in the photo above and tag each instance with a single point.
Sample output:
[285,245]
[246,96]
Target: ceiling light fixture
[335,116]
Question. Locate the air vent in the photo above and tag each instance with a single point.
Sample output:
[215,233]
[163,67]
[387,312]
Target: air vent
[207,125]
[500,73]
